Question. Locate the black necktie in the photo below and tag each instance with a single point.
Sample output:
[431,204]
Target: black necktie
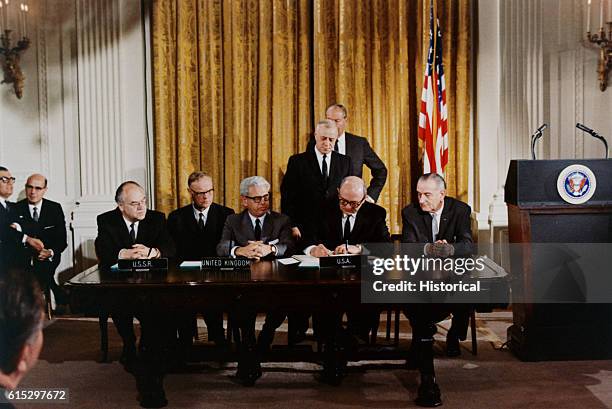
[132,233]
[324,168]
[257,230]
[347,228]
[35,214]
[336,148]
[201,222]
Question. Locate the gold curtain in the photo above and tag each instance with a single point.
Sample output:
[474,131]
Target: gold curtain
[239,84]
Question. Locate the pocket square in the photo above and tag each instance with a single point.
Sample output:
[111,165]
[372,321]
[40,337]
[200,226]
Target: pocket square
[48,227]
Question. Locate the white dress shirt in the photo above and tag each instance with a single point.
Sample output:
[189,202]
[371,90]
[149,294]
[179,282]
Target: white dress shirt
[342,143]
[196,214]
[320,160]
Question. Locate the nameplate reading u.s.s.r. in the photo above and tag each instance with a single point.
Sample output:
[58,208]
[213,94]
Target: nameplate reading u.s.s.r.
[140,265]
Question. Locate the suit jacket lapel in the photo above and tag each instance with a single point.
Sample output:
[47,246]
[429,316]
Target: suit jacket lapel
[349,146]
[268,228]
[122,229]
[211,218]
[314,165]
[360,220]
[444,218]
[247,226]
[190,220]
[426,220]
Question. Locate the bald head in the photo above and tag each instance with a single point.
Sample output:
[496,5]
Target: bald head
[36,188]
[351,194]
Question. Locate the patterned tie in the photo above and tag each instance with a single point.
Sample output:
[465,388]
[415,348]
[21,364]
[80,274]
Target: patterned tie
[324,167]
[35,214]
[132,233]
[201,222]
[257,230]
[434,227]
[347,228]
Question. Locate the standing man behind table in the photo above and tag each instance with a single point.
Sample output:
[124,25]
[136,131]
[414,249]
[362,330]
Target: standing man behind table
[44,220]
[358,149]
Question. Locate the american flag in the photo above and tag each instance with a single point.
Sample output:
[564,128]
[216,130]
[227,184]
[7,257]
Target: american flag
[433,119]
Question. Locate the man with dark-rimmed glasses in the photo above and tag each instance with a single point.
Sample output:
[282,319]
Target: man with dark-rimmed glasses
[255,233]
[196,230]
[346,224]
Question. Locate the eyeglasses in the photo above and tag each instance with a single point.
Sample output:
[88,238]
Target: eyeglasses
[37,188]
[201,194]
[344,202]
[259,199]
[7,180]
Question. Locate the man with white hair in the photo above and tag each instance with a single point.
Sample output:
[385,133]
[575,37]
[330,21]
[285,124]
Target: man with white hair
[312,178]
[255,233]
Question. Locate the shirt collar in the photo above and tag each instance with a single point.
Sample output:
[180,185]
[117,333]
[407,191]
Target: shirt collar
[129,223]
[253,218]
[197,212]
[37,205]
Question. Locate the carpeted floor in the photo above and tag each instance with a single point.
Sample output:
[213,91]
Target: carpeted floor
[492,379]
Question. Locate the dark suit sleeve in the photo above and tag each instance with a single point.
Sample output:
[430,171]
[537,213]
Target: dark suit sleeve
[290,191]
[285,246]
[59,240]
[175,228]
[464,244]
[381,234]
[107,248]
[377,168]
[227,239]
[409,232]
[164,243]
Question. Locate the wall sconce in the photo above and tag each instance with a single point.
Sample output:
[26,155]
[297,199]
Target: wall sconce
[12,53]
[602,40]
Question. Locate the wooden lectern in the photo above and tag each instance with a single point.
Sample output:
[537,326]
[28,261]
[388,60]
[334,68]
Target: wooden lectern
[538,214]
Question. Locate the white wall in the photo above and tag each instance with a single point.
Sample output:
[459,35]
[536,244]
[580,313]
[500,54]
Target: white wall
[82,119]
[534,67]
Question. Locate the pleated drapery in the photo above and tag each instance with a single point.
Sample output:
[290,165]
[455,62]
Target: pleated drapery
[239,84]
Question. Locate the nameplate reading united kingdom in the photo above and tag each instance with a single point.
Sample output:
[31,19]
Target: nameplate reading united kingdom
[155,264]
[225,263]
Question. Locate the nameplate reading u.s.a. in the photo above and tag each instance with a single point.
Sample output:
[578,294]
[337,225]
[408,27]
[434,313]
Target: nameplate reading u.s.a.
[340,261]
[155,264]
[225,263]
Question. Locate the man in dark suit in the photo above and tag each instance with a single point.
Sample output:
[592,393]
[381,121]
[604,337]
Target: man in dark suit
[7,243]
[44,220]
[358,149]
[255,233]
[312,177]
[196,230]
[348,222]
[443,224]
[130,231]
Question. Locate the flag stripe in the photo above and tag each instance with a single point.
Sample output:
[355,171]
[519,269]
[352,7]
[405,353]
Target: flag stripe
[433,117]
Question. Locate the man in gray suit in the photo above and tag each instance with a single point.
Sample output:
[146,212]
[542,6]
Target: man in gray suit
[255,233]
[359,150]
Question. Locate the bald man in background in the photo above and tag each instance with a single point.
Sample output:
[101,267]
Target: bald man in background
[42,219]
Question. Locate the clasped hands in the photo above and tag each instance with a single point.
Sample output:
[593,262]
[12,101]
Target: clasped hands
[441,248]
[322,251]
[36,244]
[254,250]
[139,251]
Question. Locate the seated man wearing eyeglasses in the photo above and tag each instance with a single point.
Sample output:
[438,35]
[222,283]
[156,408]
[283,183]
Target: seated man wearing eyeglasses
[347,223]
[8,237]
[196,230]
[131,231]
[255,233]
